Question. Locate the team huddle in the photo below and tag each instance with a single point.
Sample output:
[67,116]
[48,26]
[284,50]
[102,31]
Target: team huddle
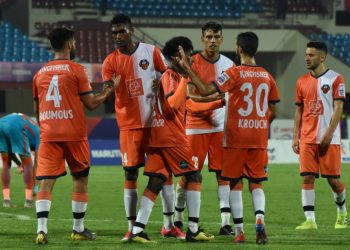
[177,108]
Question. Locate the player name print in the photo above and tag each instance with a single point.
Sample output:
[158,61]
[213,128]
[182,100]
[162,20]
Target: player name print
[245,74]
[251,123]
[56,115]
[58,67]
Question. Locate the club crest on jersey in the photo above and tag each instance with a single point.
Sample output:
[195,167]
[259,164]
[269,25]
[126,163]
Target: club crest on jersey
[222,78]
[183,165]
[144,64]
[325,88]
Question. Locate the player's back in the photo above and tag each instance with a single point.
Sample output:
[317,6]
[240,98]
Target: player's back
[134,100]
[209,121]
[251,88]
[58,86]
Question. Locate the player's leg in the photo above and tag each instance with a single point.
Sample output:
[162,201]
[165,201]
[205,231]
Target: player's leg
[234,161]
[77,156]
[5,178]
[180,202]
[330,167]
[338,189]
[168,201]
[155,184]
[133,157]
[256,172]
[28,179]
[309,170]
[193,201]
[215,159]
[49,169]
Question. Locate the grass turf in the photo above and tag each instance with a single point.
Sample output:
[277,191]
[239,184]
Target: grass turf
[106,215]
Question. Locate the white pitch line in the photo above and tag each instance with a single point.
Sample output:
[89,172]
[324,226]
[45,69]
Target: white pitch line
[17,216]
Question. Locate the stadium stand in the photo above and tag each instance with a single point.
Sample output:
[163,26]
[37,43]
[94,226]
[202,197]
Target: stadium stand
[17,47]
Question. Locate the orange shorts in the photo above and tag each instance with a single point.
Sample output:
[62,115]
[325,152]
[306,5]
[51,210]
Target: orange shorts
[211,144]
[52,156]
[133,147]
[164,162]
[248,163]
[315,160]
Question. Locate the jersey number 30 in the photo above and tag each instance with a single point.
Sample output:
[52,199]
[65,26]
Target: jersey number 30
[53,93]
[261,111]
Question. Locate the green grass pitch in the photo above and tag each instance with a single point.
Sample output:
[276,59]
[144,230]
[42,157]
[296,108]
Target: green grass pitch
[106,216]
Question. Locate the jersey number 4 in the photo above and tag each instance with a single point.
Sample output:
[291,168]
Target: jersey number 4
[53,93]
[262,89]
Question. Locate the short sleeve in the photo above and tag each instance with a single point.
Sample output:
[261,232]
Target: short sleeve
[273,94]
[169,83]
[298,93]
[339,92]
[158,60]
[84,86]
[107,69]
[226,80]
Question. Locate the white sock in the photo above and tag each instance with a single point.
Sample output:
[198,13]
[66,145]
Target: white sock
[193,200]
[130,203]
[308,202]
[42,211]
[168,200]
[340,201]
[79,209]
[224,200]
[180,203]
[143,215]
[236,205]
[258,197]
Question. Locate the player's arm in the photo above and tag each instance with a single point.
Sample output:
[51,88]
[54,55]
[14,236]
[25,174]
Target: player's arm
[191,93]
[92,101]
[199,107]
[272,111]
[179,97]
[296,130]
[36,110]
[15,159]
[335,119]
[204,89]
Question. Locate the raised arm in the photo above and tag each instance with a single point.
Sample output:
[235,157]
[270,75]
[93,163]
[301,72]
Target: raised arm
[204,89]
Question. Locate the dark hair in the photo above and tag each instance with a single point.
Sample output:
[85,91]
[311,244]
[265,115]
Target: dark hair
[59,36]
[211,26]
[121,19]
[317,45]
[171,47]
[249,42]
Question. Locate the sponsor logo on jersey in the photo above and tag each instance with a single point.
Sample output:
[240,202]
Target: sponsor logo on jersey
[183,165]
[325,88]
[144,64]
[222,78]
[341,89]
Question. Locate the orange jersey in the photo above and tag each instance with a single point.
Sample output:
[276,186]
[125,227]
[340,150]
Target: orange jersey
[168,126]
[317,96]
[213,120]
[250,90]
[134,96]
[58,86]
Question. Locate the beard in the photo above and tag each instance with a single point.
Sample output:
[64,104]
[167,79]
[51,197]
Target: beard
[72,54]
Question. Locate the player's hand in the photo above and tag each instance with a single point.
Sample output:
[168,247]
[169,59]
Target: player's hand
[326,140]
[110,85]
[20,169]
[155,85]
[182,59]
[295,146]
